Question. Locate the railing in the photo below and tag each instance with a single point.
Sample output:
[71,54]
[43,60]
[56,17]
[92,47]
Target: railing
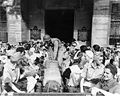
[51,94]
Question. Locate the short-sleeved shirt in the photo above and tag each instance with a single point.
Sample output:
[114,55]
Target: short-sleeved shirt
[75,75]
[10,73]
[90,71]
[111,86]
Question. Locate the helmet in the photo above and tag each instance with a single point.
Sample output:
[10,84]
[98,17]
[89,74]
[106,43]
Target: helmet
[46,38]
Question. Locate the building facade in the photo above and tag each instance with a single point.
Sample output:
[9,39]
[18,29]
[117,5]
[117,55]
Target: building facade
[90,21]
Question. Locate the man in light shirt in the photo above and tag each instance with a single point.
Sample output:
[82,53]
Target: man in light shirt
[11,74]
[94,70]
[71,77]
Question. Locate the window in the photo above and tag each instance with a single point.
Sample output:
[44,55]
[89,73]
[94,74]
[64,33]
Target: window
[115,24]
[3,25]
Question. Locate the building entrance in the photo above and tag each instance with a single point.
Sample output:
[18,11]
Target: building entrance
[60,23]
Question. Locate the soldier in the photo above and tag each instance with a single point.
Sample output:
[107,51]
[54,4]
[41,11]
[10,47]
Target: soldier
[52,44]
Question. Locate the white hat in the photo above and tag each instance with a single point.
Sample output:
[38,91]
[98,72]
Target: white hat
[10,52]
[3,58]
[16,56]
[89,53]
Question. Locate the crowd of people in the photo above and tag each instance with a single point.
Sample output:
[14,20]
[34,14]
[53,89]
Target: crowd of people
[52,65]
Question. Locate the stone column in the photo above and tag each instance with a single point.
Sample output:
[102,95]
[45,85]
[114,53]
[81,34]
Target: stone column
[17,30]
[101,23]
[14,29]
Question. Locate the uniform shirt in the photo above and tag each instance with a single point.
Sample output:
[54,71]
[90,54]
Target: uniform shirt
[90,71]
[57,44]
[75,75]
[10,72]
[111,86]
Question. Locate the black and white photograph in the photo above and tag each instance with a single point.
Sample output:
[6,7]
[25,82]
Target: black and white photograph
[59,47]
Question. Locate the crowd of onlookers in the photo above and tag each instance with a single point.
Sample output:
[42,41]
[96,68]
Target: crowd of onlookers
[52,65]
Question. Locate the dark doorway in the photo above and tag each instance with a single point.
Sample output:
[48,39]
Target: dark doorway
[60,24]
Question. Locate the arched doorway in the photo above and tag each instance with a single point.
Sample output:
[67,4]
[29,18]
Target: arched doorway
[60,23]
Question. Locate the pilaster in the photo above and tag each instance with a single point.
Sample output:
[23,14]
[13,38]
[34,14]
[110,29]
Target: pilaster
[101,23]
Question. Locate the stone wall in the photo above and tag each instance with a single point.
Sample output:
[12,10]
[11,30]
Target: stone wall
[82,19]
[37,19]
[14,29]
[17,30]
[101,23]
